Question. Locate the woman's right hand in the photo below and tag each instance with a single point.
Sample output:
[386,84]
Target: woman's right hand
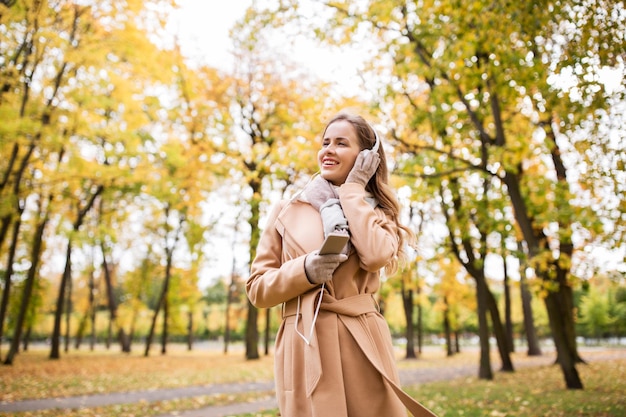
[319,268]
[364,168]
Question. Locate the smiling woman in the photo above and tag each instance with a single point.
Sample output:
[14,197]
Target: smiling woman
[334,354]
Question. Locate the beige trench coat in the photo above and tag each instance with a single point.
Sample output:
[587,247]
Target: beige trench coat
[346,367]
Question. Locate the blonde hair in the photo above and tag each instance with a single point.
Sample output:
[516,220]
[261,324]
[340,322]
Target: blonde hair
[379,186]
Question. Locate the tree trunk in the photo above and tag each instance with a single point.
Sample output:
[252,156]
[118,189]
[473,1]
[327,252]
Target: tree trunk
[58,312]
[4,229]
[131,331]
[124,340]
[92,335]
[19,205]
[484,371]
[190,330]
[27,291]
[153,322]
[252,330]
[26,338]
[565,295]
[566,354]
[252,333]
[112,304]
[92,310]
[508,321]
[8,274]
[446,327]
[268,322]
[68,314]
[420,324]
[80,332]
[56,332]
[499,333]
[162,299]
[107,342]
[164,333]
[407,302]
[227,317]
[529,320]
[560,316]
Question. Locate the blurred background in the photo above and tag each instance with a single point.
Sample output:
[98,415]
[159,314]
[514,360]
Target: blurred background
[144,141]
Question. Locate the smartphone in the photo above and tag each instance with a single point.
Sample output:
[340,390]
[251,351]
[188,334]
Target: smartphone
[334,243]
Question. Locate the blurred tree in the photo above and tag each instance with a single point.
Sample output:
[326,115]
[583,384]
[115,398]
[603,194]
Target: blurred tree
[30,282]
[618,311]
[526,300]
[405,277]
[453,297]
[183,171]
[469,209]
[601,306]
[595,313]
[75,78]
[412,284]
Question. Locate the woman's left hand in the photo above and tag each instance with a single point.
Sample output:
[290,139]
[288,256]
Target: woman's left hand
[364,167]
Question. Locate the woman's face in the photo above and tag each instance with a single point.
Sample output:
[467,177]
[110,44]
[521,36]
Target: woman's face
[340,148]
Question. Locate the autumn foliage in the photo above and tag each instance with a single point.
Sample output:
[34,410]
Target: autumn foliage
[124,165]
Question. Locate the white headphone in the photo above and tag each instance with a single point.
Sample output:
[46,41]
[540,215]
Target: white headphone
[377,143]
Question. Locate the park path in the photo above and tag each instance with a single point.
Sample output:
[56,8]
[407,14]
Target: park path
[407,377]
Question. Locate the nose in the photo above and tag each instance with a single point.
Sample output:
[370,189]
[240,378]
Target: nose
[329,148]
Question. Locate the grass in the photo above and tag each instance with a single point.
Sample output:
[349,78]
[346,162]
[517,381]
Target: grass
[531,392]
[35,376]
[528,392]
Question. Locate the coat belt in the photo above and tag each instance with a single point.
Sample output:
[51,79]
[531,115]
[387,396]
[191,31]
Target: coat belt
[351,306]
[348,309]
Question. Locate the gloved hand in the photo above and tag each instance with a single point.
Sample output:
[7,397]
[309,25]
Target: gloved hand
[332,216]
[364,167]
[319,268]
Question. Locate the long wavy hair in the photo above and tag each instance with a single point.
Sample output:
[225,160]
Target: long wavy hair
[379,186]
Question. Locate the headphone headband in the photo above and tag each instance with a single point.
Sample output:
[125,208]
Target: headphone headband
[377,142]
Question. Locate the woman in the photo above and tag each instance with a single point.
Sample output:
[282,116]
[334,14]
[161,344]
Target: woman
[334,355]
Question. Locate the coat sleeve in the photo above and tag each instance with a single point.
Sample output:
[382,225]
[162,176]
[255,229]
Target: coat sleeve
[373,234]
[271,281]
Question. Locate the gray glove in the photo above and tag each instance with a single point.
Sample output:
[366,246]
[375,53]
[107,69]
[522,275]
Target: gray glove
[364,167]
[319,268]
[332,216]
